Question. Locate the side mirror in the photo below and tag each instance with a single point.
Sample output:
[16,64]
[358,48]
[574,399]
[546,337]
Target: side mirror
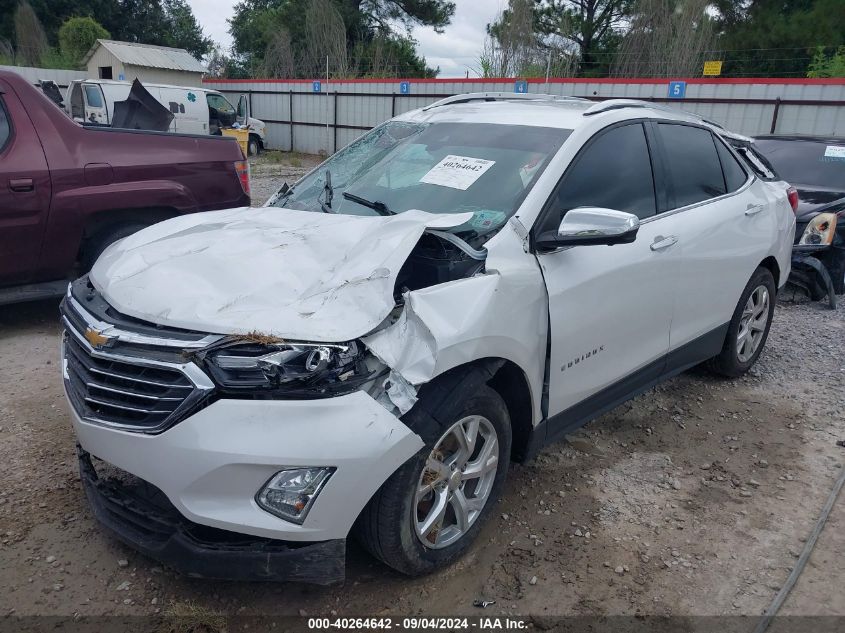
[591,225]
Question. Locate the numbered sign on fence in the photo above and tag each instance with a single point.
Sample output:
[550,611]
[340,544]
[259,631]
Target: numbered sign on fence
[316,86]
[405,88]
[677,89]
[520,87]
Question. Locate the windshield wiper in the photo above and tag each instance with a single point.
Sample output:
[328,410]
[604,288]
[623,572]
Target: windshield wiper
[377,206]
[328,190]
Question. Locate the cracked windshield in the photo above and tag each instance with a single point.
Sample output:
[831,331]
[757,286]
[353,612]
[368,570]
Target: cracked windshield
[485,169]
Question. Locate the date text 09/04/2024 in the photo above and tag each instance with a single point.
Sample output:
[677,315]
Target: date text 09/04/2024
[419,623]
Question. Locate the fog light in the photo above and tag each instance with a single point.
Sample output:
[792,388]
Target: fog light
[290,493]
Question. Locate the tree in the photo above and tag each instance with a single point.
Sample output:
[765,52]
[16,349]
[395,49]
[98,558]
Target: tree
[776,37]
[666,38]
[514,47]
[184,31]
[162,22]
[588,26]
[30,38]
[78,35]
[828,66]
[366,35]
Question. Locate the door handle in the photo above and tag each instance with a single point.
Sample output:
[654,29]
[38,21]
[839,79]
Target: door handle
[751,209]
[661,242]
[21,184]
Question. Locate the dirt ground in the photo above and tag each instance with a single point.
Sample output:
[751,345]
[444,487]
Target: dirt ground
[270,170]
[693,499]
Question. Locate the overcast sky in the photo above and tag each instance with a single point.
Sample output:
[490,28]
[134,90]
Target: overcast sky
[456,51]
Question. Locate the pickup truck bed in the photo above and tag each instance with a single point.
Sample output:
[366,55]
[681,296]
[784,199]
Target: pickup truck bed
[67,191]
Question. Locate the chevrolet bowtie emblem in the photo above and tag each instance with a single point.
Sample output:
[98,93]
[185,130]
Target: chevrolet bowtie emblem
[96,338]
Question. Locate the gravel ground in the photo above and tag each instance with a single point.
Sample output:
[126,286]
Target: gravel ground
[271,169]
[692,499]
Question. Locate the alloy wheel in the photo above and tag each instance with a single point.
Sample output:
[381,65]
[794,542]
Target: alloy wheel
[456,482]
[752,324]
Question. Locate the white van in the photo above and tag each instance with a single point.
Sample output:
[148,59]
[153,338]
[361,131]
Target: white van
[195,110]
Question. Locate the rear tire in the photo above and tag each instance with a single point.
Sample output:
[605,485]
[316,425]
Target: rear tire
[749,326]
[393,525]
[105,238]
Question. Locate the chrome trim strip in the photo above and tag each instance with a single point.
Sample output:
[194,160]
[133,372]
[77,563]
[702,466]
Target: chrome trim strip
[695,205]
[143,396]
[191,370]
[122,407]
[141,381]
[124,336]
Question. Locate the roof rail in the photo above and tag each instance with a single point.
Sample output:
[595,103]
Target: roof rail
[499,96]
[618,104]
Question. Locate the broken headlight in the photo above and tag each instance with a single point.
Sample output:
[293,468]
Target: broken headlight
[819,231]
[306,370]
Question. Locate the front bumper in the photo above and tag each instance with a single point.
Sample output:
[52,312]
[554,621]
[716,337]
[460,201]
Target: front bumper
[211,464]
[141,516]
[812,270]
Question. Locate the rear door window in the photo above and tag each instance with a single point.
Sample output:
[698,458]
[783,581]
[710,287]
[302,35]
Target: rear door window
[758,163]
[735,175]
[693,164]
[5,128]
[613,172]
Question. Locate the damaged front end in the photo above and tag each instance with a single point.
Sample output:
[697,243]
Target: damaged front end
[818,258]
[261,366]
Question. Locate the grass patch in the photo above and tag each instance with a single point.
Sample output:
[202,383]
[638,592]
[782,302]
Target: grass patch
[189,617]
[275,157]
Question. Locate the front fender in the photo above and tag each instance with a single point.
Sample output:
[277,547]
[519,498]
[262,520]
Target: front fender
[459,322]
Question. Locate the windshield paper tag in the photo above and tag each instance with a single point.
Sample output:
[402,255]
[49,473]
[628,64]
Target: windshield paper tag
[834,151]
[457,172]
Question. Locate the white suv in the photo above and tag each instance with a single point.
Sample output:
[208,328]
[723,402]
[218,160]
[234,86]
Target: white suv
[456,289]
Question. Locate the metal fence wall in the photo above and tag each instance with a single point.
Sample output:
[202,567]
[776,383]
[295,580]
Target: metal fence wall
[33,75]
[301,119]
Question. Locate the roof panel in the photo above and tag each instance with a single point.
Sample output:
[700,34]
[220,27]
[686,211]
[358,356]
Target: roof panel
[151,56]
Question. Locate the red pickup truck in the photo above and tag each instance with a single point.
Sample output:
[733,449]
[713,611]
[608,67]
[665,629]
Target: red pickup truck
[68,191]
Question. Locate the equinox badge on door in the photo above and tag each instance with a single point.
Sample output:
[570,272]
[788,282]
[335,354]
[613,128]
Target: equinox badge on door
[578,359]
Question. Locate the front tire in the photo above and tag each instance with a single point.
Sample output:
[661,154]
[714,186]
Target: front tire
[253,146]
[749,326]
[428,513]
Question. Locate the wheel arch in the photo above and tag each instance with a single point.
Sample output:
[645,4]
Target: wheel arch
[107,220]
[507,379]
[771,264]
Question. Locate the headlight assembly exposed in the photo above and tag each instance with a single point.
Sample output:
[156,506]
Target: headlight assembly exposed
[306,370]
[820,230]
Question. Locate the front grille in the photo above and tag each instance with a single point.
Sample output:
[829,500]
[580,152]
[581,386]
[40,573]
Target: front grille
[131,386]
[123,393]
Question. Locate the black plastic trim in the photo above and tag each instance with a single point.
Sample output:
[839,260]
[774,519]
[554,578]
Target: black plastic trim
[202,552]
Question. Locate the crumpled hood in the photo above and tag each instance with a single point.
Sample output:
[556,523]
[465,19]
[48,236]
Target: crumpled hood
[294,274]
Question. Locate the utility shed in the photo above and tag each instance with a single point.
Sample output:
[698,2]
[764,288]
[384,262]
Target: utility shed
[125,61]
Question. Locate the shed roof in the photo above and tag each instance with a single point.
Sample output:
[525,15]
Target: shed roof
[148,55]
